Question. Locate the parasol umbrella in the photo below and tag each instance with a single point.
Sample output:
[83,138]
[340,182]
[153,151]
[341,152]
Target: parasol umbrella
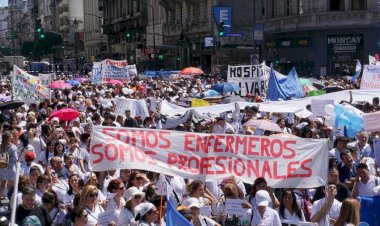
[191,71]
[4,98]
[115,82]
[73,82]
[225,87]
[13,104]
[332,89]
[264,125]
[65,114]
[59,85]
[81,79]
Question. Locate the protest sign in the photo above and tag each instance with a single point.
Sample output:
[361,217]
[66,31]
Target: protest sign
[27,87]
[115,69]
[137,107]
[234,207]
[97,73]
[282,161]
[250,78]
[318,106]
[370,77]
[46,78]
[106,217]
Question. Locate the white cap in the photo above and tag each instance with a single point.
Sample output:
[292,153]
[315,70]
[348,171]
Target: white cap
[131,192]
[192,202]
[262,198]
[143,208]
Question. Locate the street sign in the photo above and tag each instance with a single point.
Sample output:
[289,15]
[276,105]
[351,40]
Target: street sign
[223,14]
[209,41]
[258,32]
[235,35]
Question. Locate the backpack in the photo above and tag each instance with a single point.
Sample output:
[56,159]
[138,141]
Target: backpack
[4,160]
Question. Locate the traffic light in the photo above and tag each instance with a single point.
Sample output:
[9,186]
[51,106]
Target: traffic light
[178,58]
[221,28]
[128,35]
[42,35]
[161,56]
[38,25]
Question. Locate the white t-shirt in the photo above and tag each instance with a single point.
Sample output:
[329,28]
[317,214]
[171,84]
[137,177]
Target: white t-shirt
[126,217]
[367,189]
[333,213]
[93,215]
[291,217]
[270,218]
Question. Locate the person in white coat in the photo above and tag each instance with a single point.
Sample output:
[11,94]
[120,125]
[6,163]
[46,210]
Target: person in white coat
[262,214]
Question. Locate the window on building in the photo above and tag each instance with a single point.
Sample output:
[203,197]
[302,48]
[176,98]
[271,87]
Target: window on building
[359,5]
[336,5]
[287,7]
[300,6]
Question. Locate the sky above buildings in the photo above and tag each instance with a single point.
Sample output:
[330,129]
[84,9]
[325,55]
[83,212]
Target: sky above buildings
[3,2]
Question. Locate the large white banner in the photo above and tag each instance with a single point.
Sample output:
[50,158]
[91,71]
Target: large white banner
[112,69]
[370,77]
[283,162]
[137,107]
[27,87]
[251,78]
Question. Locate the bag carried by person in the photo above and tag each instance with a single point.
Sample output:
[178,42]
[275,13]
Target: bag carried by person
[4,160]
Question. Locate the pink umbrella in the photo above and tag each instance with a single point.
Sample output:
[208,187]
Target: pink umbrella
[116,82]
[81,79]
[65,114]
[264,125]
[59,85]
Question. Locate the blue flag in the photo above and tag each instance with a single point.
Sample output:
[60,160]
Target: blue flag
[358,70]
[174,218]
[284,88]
[369,210]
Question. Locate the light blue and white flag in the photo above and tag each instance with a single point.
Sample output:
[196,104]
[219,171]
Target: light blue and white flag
[358,71]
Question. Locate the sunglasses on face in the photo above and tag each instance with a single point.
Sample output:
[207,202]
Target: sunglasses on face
[122,188]
[93,195]
[137,197]
[139,178]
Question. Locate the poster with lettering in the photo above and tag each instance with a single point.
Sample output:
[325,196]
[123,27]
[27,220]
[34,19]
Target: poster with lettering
[97,76]
[370,77]
[27,87]
[318,106]
[283,161]
[250,78]
[115,69]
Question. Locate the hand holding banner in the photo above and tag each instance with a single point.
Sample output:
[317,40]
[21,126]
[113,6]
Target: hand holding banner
[283,162]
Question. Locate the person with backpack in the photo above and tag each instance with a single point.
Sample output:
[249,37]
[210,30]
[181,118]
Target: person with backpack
[8,158]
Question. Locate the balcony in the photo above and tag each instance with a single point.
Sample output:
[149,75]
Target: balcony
[321,20]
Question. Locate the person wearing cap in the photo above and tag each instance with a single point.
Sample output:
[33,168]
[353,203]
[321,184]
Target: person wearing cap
[198,219]
[326,210]
[133,198]
[146,214]
[263,214]
[222,127]
[29,157]
[339,145]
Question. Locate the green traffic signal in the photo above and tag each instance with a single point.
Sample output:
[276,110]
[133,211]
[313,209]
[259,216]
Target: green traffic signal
[39,30]
[128,35]
[161,57]
[221,33]
[42,36]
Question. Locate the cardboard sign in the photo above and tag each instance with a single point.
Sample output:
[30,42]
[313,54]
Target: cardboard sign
[370,77]
[234,207]
[318,106]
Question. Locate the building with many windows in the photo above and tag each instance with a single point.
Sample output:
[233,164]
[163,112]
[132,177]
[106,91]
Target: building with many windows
[319,37]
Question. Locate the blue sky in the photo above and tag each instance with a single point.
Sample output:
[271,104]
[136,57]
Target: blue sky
[3,2]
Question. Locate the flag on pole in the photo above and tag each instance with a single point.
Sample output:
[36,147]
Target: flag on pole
[358,71]
[174,218]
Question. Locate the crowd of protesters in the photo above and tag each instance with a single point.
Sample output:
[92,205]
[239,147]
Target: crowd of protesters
[58,187]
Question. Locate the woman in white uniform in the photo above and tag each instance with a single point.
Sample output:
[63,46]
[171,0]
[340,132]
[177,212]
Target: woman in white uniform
[262,214]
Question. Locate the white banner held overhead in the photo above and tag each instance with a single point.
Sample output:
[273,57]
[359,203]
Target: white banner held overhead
[137,107]
[46,78]
[27,87]
[370,77]
[284,162]
[318,106]
[251,78]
